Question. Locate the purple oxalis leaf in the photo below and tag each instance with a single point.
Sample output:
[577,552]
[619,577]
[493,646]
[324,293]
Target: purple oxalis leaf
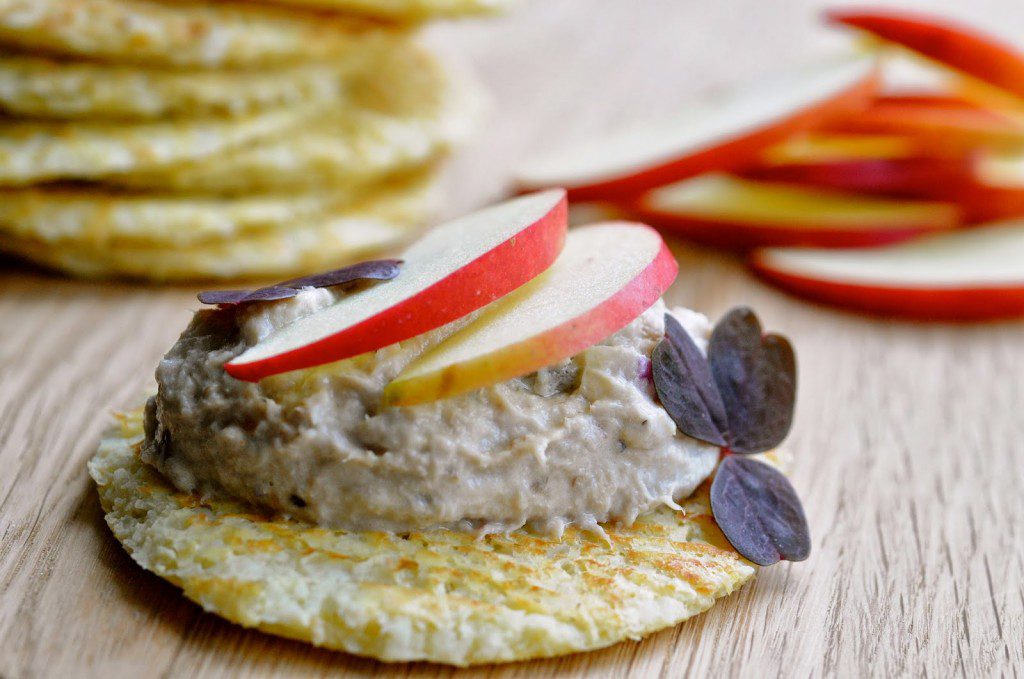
[740,397]
[759,512]
[380,270]
[756,377]
[686,387]
[226,297]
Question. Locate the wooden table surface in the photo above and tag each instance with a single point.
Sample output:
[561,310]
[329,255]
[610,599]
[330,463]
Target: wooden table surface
[909,441]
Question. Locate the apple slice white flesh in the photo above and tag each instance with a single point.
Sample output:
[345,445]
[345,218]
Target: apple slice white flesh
[1002,170]
[817,147]
[727,211]
[455,269]
[716,133]
[607,275]
[972,274]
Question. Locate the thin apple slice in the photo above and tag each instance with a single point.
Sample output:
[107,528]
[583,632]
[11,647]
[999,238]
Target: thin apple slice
[726,211]
[888,165]
[883,164]
[983,204]
[1002,169]
[973,274]
[455,269]
[990,189]
[959,47]
[986,198]
[880,176]
[942,120]
[996,191]
[607,275]
[818,147]
[716,133]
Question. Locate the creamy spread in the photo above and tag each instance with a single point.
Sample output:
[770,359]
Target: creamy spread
[582,442]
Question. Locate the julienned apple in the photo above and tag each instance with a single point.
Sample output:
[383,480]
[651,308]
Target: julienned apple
[452,271]
[607,275]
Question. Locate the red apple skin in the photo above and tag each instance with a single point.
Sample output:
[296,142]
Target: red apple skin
[897,177]
[964,49]
[941,121]
[617,311]
[923,304]
[586,330]
[947,180]
[461,293]
[741,236]
[980,204]
[728,155]
[952,179]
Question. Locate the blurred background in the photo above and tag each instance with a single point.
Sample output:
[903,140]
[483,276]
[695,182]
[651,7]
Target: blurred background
[907,448]
[560,71]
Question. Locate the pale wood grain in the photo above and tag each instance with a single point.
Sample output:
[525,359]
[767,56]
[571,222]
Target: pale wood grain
[908,440]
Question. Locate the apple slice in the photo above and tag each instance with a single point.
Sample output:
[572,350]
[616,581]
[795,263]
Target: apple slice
[973,274]
[990,188]
[453,270]
[959,47]
[993,191]
[881,176]
[882,164]
[607,275]
[943,120]
[818,147]
[1001,170]
[727,211]
[717,133]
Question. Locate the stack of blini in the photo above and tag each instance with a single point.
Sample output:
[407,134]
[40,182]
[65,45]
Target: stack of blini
[188,139]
